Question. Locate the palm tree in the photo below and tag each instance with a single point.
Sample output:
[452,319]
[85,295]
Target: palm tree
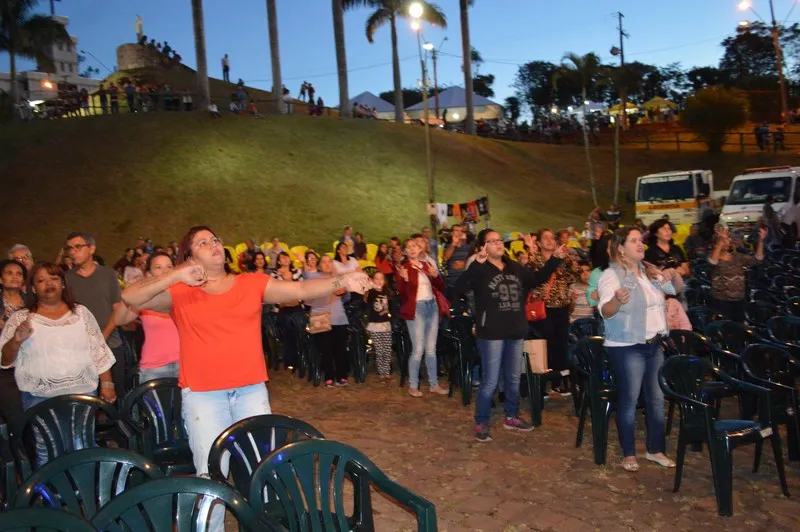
[275,55]
[388,11]
[581,71]
[203,90]
[624,80]
[23,34]
[466,52]
[341,57]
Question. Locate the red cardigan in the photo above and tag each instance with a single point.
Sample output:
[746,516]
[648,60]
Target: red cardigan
[408,289]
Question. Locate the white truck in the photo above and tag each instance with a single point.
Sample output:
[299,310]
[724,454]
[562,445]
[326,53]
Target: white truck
[749,191]
[684,195]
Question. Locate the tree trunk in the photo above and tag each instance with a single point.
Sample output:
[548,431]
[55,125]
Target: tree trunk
[203,90]
[617,127]
[14,89]
[466,51]
[588,152]
[275,56]
[341,57]
[399,108]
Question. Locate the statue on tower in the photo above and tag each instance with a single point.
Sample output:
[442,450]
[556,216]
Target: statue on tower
[138,25]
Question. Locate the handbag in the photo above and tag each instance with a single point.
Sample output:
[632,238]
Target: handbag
[320,322]
[536,351]
[535,309]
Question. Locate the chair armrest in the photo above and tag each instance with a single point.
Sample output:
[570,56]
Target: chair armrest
[744,385]
[732,359]
[139,437]
[8,473]
[21,461]
[425,510]
[683,399]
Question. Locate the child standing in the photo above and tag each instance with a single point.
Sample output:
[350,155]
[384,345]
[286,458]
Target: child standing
[379,325]
[580,306]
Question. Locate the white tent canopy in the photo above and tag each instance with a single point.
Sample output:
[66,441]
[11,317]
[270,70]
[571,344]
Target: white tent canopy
[384,108]
[454,100]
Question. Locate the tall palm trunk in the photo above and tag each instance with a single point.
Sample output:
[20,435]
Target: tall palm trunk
[399,108]
[466,52]
[13,65]
[203,90]
[341,57]
[592,183]
[275,56]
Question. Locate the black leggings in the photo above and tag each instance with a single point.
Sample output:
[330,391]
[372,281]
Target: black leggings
[332,345]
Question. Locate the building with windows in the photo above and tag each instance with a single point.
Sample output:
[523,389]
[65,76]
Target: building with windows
[40,84]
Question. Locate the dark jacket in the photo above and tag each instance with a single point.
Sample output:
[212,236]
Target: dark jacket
[500,296]
[408,289]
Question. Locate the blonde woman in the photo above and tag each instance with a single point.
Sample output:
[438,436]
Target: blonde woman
[632,305]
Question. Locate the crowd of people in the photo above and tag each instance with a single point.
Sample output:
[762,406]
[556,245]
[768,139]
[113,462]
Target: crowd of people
[180,305]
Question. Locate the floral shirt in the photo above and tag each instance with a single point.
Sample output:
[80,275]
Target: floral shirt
[566,274]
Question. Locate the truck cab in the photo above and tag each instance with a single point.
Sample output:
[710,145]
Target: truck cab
[684,195]
[749,191]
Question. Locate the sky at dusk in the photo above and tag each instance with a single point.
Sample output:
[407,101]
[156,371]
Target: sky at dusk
[506,32]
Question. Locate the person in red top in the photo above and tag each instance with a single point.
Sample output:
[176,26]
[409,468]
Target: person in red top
[383,261]
[417,283]
[218,316]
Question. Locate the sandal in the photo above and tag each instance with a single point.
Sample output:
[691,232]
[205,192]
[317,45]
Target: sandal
[414,392]
[630,465]
[660,459]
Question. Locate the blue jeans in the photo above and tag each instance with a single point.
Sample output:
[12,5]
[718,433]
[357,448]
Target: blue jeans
[42,456]
[162,372]
[636,370]
[497,355]
[423,330]
[207,414]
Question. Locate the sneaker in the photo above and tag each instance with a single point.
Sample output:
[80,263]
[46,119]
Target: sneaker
[329,384]
[515,423]
[482,433]
[438,390]
[562,391]
[342,382]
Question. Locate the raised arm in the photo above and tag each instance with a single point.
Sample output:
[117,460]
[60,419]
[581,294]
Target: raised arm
[278,292]
[534,278]
[153,293]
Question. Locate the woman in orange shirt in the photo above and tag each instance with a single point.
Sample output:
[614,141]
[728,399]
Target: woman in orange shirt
[218,315]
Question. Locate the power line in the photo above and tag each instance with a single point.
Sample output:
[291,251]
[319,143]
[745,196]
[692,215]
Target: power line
[329,74]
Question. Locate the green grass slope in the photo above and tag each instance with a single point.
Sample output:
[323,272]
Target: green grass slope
[298,177]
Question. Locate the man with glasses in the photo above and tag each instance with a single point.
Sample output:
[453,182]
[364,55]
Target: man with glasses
[22,254]
[97,288]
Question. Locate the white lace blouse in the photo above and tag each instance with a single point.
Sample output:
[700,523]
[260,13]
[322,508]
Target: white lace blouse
[62,356]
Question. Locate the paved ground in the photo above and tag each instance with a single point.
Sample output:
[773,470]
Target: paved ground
[534,481]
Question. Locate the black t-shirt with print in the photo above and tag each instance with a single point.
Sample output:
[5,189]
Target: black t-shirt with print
[662,259]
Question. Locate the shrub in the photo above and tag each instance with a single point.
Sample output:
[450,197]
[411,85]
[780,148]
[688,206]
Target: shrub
[714,112]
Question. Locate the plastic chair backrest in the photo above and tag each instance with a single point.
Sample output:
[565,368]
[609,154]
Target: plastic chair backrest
[683,376]
[592,359]
[763,295]
[303,476]
[680,342]
[240,248]
[174,503]
[159,402]
[700,317]
[785,329]
[43,520]
[84,481]
[793,306]
[758,312]
[67,423]
[250,441]
[372,252]
[769,362]
[584,328]
[729,335]
[299,251]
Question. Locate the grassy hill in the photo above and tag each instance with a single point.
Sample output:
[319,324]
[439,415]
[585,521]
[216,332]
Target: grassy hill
[298,177]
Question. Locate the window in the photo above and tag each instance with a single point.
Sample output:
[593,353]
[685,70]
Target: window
[71,68]
[63,68]
[60,47]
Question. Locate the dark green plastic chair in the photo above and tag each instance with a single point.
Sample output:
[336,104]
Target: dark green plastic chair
[84,481]
[297,481]
[8,471]
[43,520]
[682,378]
[68,423]
[177,504]
[730,336]
[784,330]
[774,368]
[599,395]
[461,344]
[153,409]
[249,441]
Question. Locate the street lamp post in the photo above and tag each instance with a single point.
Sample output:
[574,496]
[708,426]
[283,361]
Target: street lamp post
[744,5]
[416,10]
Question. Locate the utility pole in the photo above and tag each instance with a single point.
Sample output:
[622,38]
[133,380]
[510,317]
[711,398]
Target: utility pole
[621,53]
[436,82]
[779,62]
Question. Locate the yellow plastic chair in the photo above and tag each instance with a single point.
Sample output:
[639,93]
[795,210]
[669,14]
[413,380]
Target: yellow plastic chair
[331,254]
[372,252]
[235,263]
[333,247]
[440,253]
[363,264]
[514,235]
[517,246]
[298,251]
[240,248]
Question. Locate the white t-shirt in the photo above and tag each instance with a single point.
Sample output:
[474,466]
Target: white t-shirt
[424,288]
[655,320]
[345,267]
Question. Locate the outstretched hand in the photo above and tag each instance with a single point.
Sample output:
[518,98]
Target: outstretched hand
[191,273]
[358,282]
